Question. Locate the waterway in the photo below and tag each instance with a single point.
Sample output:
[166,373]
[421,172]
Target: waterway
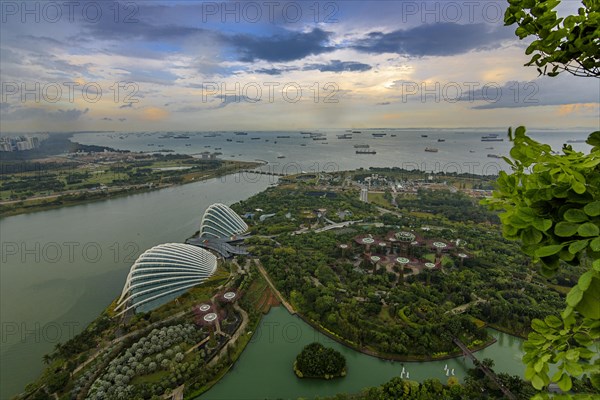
[60,268]
[264,370]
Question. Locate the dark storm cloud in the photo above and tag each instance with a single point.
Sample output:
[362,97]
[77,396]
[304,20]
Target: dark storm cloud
[332,66]
[108,30]
[272,71]
[31,113]
[339,66]
[540,92]
[280,47]
[441,39]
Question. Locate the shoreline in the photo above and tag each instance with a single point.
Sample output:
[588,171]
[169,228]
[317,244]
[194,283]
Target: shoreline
[392,357]
[51,205]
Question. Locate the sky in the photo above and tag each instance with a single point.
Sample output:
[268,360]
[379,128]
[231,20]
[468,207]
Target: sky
[276,65]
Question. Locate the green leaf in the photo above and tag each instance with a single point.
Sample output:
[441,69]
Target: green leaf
[531,236]
[565,383]
[542,224]
[592,209]
[578,187]
[589,304]
[575,215]
[572,355]
[565,229]
[548,250]
[595,244]
[583,339]
[537,382]
[578,245]
[553,321]
[588,229]
[573,368]
[594,140]
[574,296]
[585,280]
[539,326]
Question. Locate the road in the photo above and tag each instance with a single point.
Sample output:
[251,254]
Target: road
[287,305]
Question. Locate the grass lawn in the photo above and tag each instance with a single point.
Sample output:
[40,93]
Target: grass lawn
[378,199]
[150,378]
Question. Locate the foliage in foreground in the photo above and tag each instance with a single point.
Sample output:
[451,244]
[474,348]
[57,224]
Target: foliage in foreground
[551,204]
[569,44]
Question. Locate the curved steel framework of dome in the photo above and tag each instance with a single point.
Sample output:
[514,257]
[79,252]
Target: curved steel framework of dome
[220,221]
[164,270]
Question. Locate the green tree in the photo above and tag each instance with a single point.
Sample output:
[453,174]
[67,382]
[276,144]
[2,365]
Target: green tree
[570,44]
[551,203]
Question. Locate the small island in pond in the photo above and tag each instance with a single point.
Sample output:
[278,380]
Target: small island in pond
[318,361]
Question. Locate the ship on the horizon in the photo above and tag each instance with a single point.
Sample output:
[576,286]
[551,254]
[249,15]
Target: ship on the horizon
[366,152]
[492,137]
[431,149]
[241,133]
[361,146]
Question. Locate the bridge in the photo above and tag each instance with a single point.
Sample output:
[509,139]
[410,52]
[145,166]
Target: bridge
[488,372]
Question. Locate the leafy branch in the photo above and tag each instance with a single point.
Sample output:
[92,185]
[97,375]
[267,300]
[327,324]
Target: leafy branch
[570,44]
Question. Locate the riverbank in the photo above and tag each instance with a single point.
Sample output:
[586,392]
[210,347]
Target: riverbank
[73,198]
[389,357]
[81,365]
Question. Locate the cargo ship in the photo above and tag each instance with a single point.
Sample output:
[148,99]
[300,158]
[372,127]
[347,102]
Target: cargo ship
[431,149]
[361,146]
[366,152]
[492,137]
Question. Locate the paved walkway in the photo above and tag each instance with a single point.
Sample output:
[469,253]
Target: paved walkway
[287,305]
[241,329]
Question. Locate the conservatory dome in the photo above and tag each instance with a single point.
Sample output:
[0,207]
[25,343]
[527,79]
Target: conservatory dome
[165,271]
[220,221]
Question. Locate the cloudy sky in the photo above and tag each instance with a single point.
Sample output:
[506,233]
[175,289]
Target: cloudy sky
[184,65]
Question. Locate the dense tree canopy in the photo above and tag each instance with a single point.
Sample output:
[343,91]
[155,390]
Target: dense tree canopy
[318,361]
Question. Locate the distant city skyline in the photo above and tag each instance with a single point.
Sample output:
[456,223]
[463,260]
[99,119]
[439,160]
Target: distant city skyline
[195,66]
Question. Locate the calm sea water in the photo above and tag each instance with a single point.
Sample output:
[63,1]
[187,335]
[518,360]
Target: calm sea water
[461,150]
